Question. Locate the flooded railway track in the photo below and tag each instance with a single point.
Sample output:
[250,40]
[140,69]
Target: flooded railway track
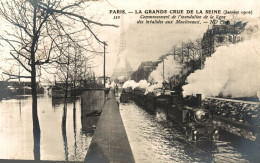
[153,139]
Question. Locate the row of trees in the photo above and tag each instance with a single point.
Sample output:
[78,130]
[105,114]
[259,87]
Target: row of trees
[188,54]
[72,68]
[41,33]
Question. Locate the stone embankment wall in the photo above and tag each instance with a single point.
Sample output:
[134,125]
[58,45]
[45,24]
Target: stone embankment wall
[92,103]
[241,118]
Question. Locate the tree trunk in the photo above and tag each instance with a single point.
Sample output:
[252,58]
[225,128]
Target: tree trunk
[36,125]
[66,93]
[66,88]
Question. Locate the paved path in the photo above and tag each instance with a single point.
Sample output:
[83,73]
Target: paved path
[110,142]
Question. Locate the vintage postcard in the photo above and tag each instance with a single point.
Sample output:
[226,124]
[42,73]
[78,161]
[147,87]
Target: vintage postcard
[144,81]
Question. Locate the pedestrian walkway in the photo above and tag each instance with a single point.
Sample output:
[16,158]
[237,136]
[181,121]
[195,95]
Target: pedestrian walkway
[110,142]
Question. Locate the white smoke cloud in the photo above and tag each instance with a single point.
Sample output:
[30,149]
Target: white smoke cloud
[129,84]
[132,84]
[143,84]
[171,68]
[232,70]
[152,87]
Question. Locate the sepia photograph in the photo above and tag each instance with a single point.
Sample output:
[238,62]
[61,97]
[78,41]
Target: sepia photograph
[124,81]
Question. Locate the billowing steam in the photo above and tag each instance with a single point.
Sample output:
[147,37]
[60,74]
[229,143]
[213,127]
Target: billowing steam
[132,84]
[129,84]
[143,84]
[171,68]
[152,87]
[231,71]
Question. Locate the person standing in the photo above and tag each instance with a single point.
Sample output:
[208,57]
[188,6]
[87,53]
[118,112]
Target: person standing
[116,90]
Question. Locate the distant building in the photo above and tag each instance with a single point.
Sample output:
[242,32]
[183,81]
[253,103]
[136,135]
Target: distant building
[220,35]
[144,70]
[122,70]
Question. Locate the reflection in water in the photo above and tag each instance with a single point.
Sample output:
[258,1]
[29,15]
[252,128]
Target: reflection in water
[154,140]
[67,132]
[74,128]
[64,133]
[58,142]
[20,108]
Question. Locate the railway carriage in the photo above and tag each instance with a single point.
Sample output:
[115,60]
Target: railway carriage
[196,122]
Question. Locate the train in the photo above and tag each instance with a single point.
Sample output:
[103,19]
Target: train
[125,96]
[196,122]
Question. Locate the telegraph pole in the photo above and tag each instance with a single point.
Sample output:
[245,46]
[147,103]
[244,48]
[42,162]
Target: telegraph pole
[104,63]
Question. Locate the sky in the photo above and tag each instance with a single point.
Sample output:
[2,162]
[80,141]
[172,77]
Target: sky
[148,42]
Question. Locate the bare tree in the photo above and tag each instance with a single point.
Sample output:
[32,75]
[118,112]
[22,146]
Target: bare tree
[36,29]
[198,51]
[69,67]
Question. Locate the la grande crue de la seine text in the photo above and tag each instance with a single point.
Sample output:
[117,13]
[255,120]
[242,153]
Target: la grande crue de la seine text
[177,12]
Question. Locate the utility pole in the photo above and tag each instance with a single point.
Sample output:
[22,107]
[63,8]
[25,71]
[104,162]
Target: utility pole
[104,63]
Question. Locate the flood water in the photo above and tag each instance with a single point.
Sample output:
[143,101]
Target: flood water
[16,132]
[153,139]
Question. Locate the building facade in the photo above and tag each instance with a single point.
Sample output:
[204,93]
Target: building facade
[220,35]
[122,71]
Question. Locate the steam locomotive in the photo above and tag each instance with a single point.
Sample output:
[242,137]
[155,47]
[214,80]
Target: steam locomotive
[196,122]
